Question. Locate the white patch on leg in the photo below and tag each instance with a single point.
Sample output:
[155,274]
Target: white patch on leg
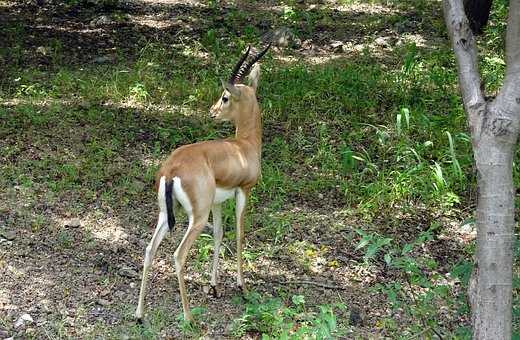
[161,194]
[181,196]
[222,195]
[240,206]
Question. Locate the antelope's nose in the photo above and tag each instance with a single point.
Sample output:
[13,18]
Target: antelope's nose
[213,113]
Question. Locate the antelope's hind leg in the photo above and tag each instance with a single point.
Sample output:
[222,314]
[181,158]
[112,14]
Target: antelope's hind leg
[160,231]
[194,229]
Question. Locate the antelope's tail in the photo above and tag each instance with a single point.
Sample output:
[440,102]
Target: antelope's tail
[165,198]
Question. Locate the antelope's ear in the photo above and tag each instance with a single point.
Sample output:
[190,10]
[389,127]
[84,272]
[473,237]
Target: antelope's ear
[235,92]
[254,76]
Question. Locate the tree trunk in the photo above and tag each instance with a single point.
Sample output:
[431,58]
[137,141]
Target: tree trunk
[494,129]
[491,295]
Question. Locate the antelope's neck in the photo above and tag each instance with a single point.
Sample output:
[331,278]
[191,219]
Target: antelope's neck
[249,127]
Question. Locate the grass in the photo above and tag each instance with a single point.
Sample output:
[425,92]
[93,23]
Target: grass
[366,157]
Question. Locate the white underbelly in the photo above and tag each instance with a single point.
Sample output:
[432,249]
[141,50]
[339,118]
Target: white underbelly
[222,195]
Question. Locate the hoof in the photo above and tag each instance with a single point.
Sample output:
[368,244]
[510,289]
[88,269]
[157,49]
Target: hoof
[139,321]
[242,289]
[215,292]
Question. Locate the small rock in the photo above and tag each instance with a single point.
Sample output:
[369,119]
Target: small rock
[100,21]
[336,46]
[140,186]
[128,272]
[103,59]
[307,44]
[132,285]
[115,248]
[69,321]
[381,41]
[22,320]
[42,50]
[73,223]
[264,24]
[467,228]
[358,47]
[400,27]
[282,37]
[405,26]
[8,234]
[355,317]
[103,302]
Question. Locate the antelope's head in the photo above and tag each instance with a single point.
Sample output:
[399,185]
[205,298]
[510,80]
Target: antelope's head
[238,98]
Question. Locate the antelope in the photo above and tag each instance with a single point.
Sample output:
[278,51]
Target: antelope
[202,175]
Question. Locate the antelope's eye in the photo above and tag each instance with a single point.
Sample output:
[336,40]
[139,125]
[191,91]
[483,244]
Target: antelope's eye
[225,99]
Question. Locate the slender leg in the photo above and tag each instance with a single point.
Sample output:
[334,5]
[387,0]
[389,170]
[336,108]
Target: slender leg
[194,230]
[216,212]
[160,231]
[241,200]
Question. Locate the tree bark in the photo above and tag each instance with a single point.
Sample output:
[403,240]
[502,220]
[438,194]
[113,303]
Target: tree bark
[494,130]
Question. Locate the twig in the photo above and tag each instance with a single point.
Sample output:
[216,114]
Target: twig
[313,283]
[420,333]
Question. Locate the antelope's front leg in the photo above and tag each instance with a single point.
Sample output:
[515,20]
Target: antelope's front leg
[216,212]
[241,201]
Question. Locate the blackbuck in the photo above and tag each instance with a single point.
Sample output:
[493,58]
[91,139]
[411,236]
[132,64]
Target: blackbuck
[202,175]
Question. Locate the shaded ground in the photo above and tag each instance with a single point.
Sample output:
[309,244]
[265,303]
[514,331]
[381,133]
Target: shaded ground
[88,155]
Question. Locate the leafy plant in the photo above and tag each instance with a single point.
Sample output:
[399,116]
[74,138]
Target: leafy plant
[274,319]
[373,243]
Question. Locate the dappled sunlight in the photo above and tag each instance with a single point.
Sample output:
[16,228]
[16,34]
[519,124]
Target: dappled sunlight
[464,232]
[84,30]
[366,8]
[175,2]
[153,22]
[40,103]
[191,52]
[418,39]
[108,229]
[6,304]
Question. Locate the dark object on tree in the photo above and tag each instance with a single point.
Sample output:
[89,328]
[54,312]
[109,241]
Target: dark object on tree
[477,12]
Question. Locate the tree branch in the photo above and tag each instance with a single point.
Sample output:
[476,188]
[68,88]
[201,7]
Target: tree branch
[513,34]
[508,99]
[466,55]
